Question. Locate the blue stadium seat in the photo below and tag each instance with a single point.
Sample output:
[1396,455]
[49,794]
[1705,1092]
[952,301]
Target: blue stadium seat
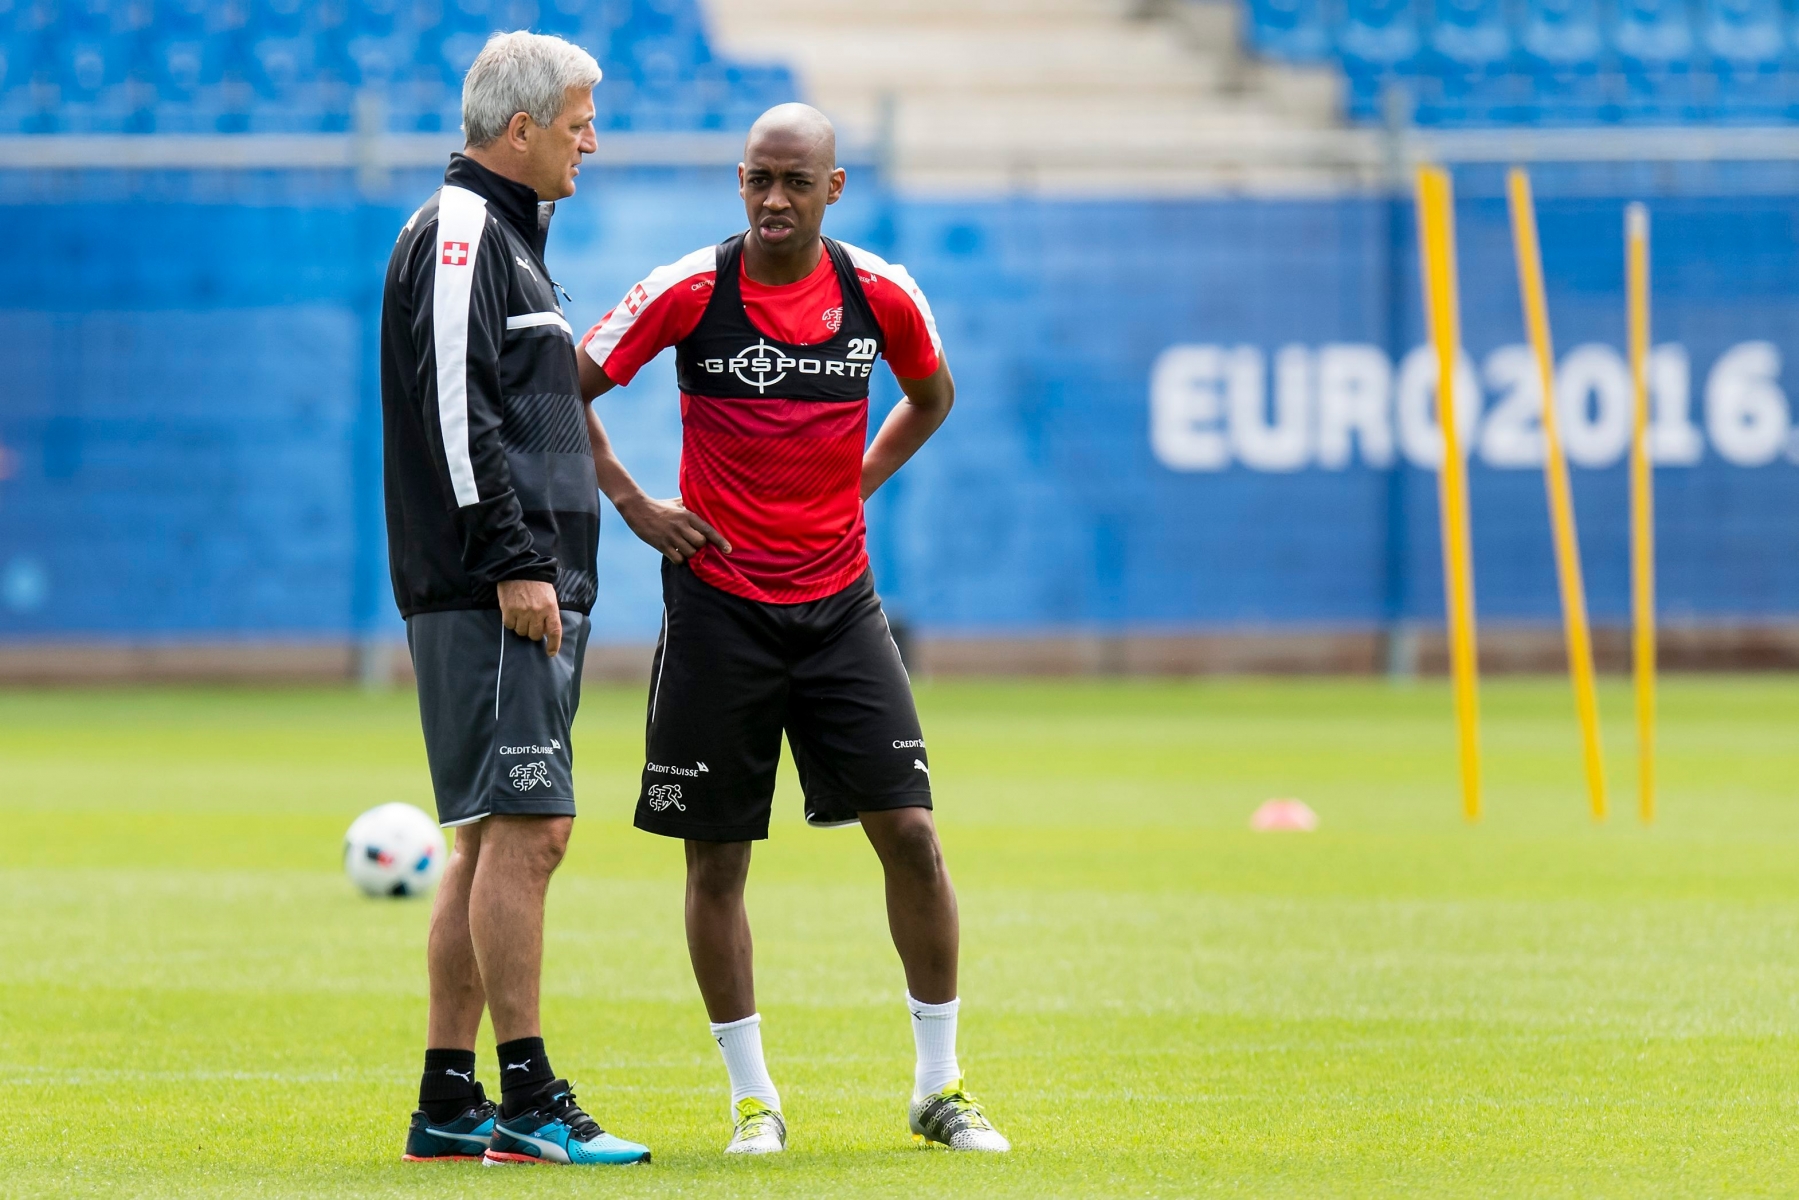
[374,18]
[182,66]
[1468,64]
[761,85]
[292,93]
[1447,97]
[1379,41]
[1654,43]
[1380,35]
[564,18]
[665,64]
[1750,58]
[94,18]
[1653,35]
[1293,30]
[425,103]
[1571,80]
[653,18]
[1562,34]
[1749,35]
[279,18]
[376,59]
[181,18]
[482,15]
[90,66]
[28,46]
[455,53]
[1472,35]
[15,67]
[276,65]
[92,83]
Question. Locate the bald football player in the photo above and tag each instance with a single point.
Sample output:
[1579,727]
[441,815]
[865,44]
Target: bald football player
[771,622]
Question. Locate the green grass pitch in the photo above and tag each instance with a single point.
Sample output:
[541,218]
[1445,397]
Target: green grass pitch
[1157,1001]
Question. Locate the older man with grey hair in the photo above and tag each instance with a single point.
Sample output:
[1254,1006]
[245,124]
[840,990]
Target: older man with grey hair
[493,524]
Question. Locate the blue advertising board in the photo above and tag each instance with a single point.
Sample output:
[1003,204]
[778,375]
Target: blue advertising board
[1172,414]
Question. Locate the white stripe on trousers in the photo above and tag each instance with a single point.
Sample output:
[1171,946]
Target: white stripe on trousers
[660,664]
[499,671]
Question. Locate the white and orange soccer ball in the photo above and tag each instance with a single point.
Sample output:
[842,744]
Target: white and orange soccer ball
[394,850]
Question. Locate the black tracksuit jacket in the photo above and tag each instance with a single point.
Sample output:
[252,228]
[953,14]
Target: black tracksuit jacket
[489,475]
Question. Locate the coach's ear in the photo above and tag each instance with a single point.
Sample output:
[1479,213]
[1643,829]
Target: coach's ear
[834,185]
[517,131]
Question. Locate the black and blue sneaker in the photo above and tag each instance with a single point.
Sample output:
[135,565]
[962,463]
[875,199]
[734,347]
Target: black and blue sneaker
[557,1131]
[463,1140]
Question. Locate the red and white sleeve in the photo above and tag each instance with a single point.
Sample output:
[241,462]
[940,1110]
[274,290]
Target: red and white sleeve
[913,347]
[653,316]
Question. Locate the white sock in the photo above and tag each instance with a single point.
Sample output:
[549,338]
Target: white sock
[934,1033]
[741,1043]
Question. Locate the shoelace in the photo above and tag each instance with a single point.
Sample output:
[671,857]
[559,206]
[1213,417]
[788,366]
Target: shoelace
[758,1123]
[563,1108]
[969,1108]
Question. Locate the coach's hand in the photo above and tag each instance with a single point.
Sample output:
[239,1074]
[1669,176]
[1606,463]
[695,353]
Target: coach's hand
[670,528]
[528,608]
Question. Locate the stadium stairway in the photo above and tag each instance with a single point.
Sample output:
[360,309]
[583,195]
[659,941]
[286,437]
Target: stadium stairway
[1100,97]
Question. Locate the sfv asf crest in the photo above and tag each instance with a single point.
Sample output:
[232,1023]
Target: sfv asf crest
[662,795]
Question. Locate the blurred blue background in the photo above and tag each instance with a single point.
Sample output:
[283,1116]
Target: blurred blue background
[1565,62]
[297,66]
[1187,412]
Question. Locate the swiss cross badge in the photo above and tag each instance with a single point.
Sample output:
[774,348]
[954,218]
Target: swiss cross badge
[637,298]
[455,254]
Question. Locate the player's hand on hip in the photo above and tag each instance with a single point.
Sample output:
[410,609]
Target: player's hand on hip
[670,528]
[528,607]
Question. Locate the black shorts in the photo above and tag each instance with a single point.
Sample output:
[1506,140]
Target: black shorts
[732,674]
[496,711]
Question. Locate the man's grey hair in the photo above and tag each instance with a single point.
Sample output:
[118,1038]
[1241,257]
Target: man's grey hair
[521,73]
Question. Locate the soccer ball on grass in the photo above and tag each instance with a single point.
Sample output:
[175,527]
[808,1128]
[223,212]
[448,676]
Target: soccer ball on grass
[394,850]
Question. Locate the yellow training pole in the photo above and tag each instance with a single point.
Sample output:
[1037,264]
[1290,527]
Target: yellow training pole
[1436,238]
[1642,505]
[1555,474]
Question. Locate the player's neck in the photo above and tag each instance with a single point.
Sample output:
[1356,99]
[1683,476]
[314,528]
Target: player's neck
[770,269]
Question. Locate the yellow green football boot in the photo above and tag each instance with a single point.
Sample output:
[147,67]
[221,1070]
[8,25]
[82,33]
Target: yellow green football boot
[955,1119]
[760,1129]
